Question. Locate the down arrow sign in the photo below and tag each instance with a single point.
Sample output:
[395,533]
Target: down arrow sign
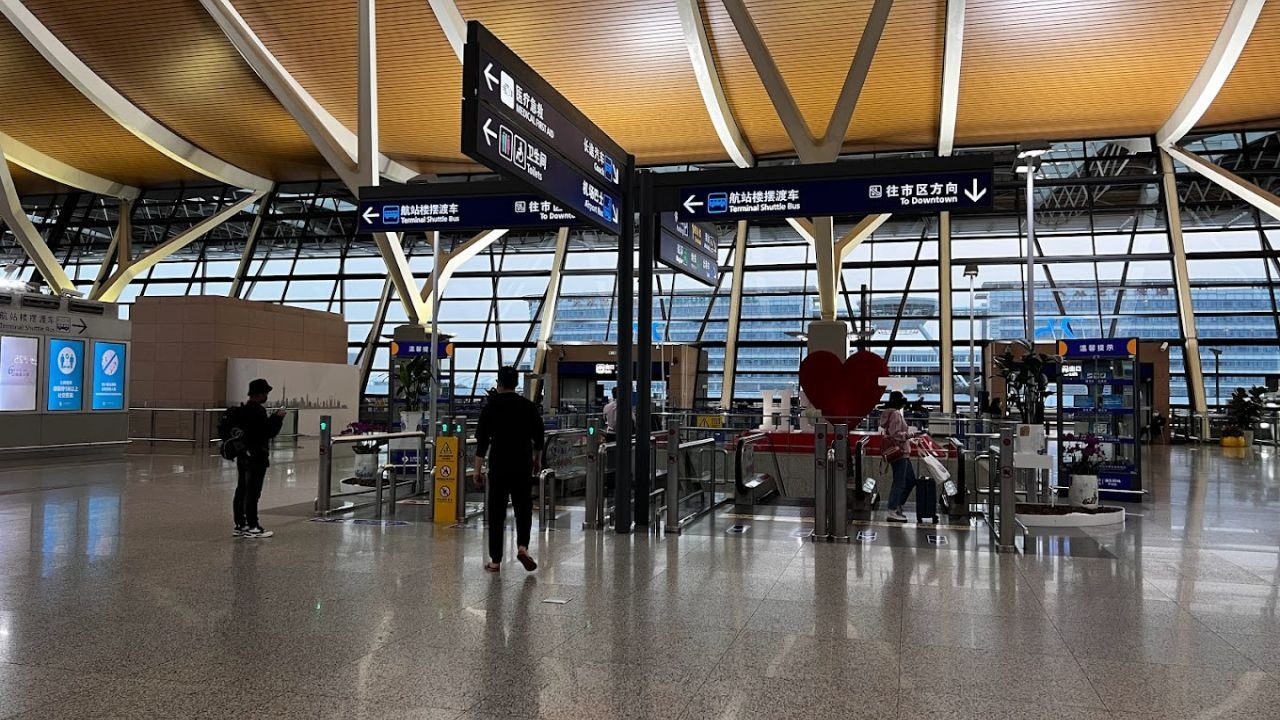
[975,194]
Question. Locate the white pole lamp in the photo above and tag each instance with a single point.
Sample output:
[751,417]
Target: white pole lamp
[971,272]
[1030,156]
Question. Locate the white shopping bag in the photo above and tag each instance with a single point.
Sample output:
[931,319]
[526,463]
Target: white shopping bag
[936,468]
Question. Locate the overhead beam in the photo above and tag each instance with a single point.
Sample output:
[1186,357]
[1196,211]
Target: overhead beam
[451,23]
[119,108]
[783,101]
[1265,201]
[335,141]
[735,318]
[1182,282]
[713,96]
[1213,74]
[451,261]
[842,114]
[113,287]
[13,214]
[804,227]
[25,156]
[952,52]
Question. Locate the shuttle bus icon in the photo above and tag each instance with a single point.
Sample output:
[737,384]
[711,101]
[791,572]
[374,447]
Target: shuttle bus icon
[718,203]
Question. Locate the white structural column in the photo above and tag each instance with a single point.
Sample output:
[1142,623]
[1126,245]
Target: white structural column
[451,23]
[29,238]
[250,246]
[826,266]
[390,245]
[37,162]
[119,108]
[1182,280]
[1265,201]
[858,234]
[335,142]
[952,56]
[704,70]
[946,335]
[111,289]
[1213,74]
[842,114]
[547,318]
[735,317]
[451,261]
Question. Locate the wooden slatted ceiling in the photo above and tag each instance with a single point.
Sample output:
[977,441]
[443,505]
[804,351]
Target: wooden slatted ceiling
[1252,93]
[420,78]
[171,59]
[43,110]
[813,43]
[622,62]
[1056,69]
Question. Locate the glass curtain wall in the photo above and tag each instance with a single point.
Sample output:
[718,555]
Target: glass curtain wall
[1105,270]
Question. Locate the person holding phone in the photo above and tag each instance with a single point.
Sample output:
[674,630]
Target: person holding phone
[257,428]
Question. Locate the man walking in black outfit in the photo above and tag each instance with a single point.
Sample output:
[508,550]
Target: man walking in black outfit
[512,427]
[256,428]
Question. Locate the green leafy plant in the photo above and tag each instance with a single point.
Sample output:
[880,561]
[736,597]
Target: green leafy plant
[414,381]
[1244,409]
[1025,382]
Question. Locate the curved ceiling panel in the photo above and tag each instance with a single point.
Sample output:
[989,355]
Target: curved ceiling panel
[44,111]
[1252,92]
[1061,69]
[170,59]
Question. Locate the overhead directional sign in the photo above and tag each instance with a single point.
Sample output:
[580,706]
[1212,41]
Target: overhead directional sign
[457,206]
[516,123]
[691,248]
[899,186]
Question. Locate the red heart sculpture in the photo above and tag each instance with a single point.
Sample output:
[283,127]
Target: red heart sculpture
[843,392]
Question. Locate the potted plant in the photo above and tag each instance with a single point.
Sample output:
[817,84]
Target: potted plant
[1244,412]
[1083,457]
[1026,385]
[413,384]
[366,451]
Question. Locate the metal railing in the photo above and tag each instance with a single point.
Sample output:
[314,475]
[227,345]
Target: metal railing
[197,427]
[386,475]
[750,486]
[690,496]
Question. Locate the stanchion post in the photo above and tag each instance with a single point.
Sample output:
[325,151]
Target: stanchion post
[820,482]
[326,465]
[839,473]
[673,477]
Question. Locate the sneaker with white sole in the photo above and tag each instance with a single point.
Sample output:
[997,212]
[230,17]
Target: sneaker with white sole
[238,531]
[896,516]
[256,532]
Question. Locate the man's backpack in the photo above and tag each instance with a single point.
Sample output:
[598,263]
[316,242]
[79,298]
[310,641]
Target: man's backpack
[231,434]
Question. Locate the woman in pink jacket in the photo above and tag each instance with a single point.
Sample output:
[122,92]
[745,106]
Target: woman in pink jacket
[896,448]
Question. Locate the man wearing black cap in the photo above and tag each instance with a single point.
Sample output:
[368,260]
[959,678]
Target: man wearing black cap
[257,428]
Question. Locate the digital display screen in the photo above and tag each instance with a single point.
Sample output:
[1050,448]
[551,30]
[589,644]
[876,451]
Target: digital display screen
[109,364]
[19,363]
[66,375]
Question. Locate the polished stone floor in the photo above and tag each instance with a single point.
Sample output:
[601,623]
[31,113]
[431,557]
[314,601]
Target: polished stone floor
[123,596]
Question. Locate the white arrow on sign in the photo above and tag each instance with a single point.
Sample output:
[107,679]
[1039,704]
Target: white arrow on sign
[689,204]
[489,134]
[489,77]
[975,194]
[369,215]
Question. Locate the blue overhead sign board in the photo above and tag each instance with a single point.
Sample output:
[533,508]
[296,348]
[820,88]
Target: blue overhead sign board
[690,248]
[836,196]
[1098,347]
[516,123]
[474,212]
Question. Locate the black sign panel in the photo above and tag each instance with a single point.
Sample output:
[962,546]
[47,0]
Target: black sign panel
[690,248]
[499,146]
[514,122]
[475,212]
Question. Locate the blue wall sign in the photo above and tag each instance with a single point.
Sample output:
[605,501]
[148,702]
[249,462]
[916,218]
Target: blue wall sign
[474,212]
[1098,347]
[109,375]
[925,192]
[416,348]
[66,375]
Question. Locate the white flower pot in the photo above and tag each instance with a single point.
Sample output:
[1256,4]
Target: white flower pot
[1248,438]
[367,466]
[1084,491]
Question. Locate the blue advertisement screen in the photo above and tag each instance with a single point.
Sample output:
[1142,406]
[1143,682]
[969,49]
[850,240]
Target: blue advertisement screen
[66,374]
[108,375]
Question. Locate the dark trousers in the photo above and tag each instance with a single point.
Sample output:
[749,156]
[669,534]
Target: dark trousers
[248,489]
[518,487]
